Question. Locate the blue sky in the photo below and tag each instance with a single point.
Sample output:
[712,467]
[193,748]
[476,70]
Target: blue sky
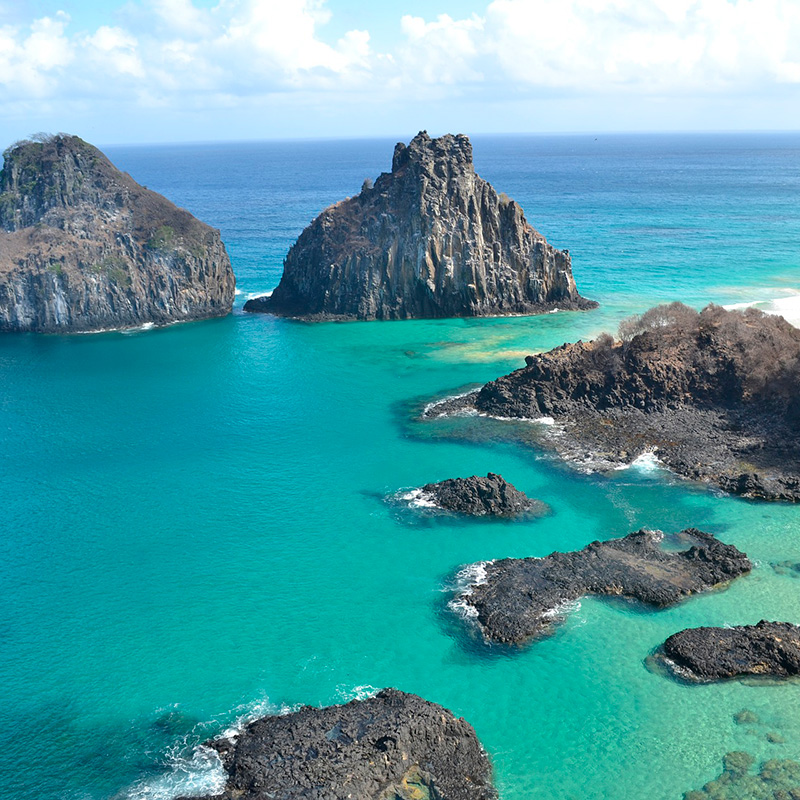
[200,70]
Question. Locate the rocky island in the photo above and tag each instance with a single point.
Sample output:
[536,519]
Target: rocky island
[429,239]
[479,496]
[714,394]
[394,746]
[768,649]
[516,599]
[84,247]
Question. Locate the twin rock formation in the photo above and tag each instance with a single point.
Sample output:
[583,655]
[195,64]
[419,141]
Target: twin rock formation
[429,239]
[84,247]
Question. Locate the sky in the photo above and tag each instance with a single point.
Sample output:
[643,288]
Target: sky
[138,71]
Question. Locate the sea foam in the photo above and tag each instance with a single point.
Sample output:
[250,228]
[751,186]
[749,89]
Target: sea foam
[191,769]
[463,585]
[786,307]
[416,498]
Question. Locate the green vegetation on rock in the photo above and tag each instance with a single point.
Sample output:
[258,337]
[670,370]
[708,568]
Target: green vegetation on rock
[162,239]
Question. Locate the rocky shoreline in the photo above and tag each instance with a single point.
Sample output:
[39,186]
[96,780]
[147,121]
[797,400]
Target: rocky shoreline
[712,394]
[393,746]
[517,599]
[768,649]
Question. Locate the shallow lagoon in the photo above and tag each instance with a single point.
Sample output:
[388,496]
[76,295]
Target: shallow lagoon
[196,517]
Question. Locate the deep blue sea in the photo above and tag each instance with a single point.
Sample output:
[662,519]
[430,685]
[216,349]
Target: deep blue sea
[200,523]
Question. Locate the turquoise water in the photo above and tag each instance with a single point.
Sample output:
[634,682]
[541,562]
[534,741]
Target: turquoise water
[199,523]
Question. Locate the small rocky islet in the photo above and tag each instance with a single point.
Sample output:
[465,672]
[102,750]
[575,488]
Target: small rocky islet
[479,496]
[84,247]
[393,746]
[715,394]
[767,649]
[429,239]
[518,599]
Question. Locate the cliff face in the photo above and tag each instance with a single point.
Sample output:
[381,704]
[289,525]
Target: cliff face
[429,239]
[84,247]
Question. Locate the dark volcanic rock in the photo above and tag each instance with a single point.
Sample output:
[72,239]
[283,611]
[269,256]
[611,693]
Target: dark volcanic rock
[715,394]
[429,239]
[710,654]
[519,598]
[84,247]
[477,495]
[393,746]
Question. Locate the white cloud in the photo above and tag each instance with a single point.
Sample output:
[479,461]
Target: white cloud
[173,53]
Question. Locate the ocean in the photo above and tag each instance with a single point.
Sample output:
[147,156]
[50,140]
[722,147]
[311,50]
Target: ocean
[202,523]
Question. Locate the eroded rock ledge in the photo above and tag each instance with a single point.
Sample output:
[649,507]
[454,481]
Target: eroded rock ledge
[479,496]
[520,598]
[715,394]
[394,746]
[84,247]
[429,239]
[769,649]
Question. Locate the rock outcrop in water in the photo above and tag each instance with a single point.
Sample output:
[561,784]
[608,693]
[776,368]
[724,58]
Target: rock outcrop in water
[715,394]
[394,746]
[519,598]
[492,495]
[84,247]
[768,649]
[429,239]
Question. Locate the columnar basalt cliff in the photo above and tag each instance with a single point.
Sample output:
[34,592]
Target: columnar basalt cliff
[516,599]
[394,746]
[714,394]
[429,239]
[84,247]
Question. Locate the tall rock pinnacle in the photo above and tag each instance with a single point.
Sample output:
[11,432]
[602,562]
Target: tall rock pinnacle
[429,239]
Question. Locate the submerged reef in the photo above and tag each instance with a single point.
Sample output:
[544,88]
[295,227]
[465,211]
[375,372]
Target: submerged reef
[714,394]
[776,779]
[479,496]
[429,239]
[84,247]
[517,599]
[394,746]
[768,649]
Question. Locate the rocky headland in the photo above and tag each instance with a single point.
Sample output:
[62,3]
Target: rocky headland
[768,649]
[479,496]
[394,746]
[429,239]
[84,247]
[516,599]
[714,394]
